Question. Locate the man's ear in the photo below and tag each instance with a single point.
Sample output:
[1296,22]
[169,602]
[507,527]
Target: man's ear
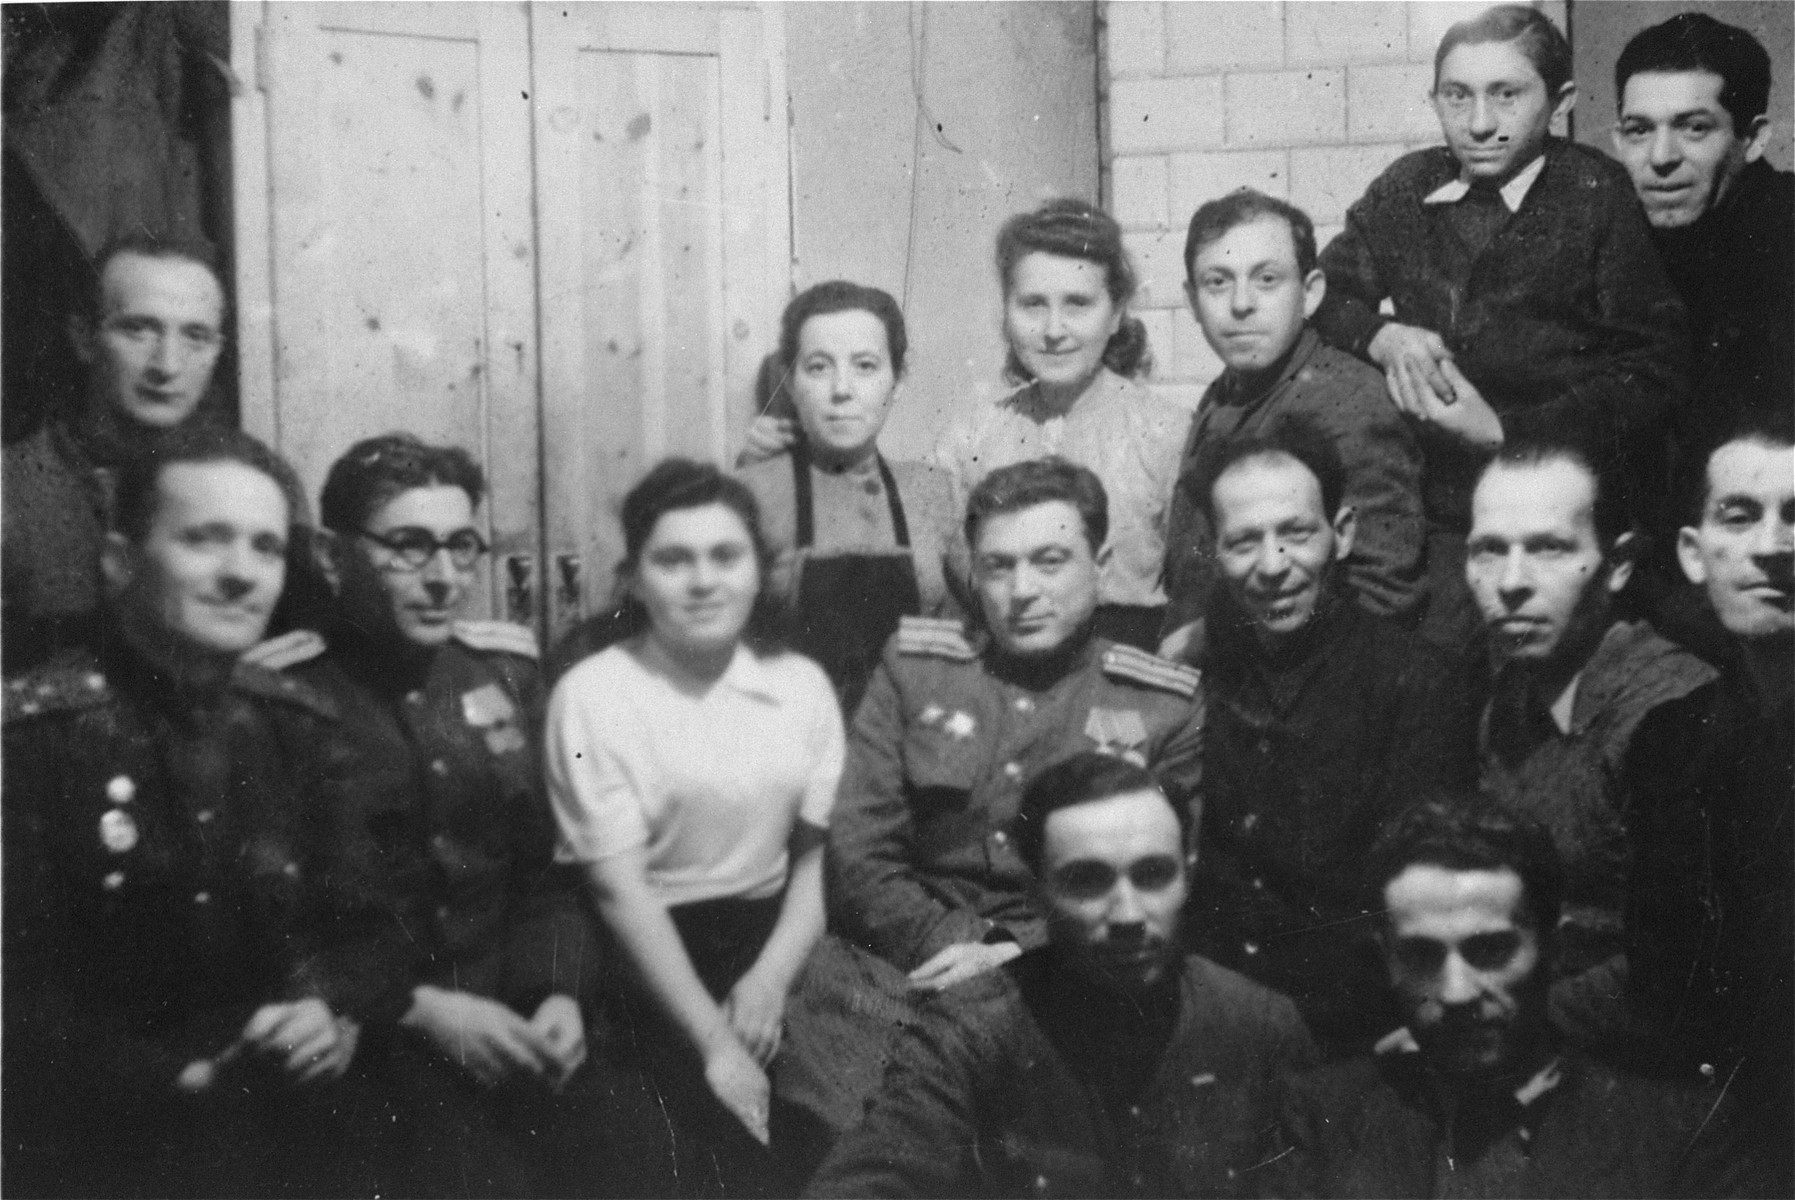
[118,562]
[1346,528]
[1567,100]
[1620,560]
[1315,290]
[1689,557]
[327,552]
[1102,555]
[1757,138]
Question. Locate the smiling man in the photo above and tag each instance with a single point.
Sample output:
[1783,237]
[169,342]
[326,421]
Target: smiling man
[1252,283]
[1551,545]
[1485,1101]
[148,340]
[1103,1063]
[1527,298]
[1324,721]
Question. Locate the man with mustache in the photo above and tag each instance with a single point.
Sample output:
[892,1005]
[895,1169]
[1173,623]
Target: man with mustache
[149,340]
[1550,547]
[1484,1100]
[1712,921]
[1324,721]
[1104,1063]
[185,976]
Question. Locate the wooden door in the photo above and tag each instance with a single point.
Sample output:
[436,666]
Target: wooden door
[665,254]
[386,210]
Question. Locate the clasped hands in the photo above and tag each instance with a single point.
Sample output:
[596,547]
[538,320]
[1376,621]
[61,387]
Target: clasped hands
[1427,385]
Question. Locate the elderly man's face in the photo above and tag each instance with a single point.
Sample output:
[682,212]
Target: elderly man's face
[1036,577]
[1466,969]
[1274,541]
[1679,145]
[151,352]
[1535,564]
[1743,550]
[1112,878]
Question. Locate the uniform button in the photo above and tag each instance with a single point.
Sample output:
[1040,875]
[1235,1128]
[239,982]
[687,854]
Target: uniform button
[204,816]
[440,767]
[1012,770]
[1250,947]
[1024,704]
[202,897]
[114,881]
[414,697]
[95,682]
[442,914]
[1001,838]
[1247,822]
[1134,1110]
[121,789]
[1041,1184]
[1258,884]
[290,870]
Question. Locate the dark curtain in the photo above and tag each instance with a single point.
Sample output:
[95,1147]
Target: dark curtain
[117,118]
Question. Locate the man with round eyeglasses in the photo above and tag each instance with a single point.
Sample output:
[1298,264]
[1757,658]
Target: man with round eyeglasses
[1105,1063]
[479,1072]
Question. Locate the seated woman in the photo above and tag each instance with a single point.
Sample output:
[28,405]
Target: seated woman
[857,541]
[1074,355]
[692,767]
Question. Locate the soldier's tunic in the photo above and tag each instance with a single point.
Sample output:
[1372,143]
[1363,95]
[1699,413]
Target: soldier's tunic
[164,874]
[949,735]
[448,821]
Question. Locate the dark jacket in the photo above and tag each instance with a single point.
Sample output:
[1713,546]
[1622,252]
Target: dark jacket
[1376,1127]
[166,874]
[941,748]
[1308,753]
[1564,322]
[1711,918]
[1023,1082]
[1347,402]
[450,820]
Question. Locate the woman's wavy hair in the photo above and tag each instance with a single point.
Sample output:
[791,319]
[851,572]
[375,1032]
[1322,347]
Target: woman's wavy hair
[1072,228]
[679,483]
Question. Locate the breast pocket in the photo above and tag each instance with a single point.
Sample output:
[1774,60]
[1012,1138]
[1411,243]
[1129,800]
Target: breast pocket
[941,770]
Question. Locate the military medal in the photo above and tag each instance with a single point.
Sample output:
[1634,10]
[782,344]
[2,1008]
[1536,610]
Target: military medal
[118,831]
[121,789]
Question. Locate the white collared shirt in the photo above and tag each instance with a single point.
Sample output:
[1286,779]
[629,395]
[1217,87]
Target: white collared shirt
[1512,192]
[706,780]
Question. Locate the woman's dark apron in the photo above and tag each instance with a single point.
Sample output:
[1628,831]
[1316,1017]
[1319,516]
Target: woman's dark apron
[848,605]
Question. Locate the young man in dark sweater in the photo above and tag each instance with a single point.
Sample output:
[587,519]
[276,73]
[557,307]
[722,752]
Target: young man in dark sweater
[1527,295]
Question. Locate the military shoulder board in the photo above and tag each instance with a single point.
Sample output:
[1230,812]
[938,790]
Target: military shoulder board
[498,637]
[57,688]
[1137,666]
[270,684]
[934,637]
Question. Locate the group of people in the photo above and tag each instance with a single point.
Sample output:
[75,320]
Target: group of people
[1376,785]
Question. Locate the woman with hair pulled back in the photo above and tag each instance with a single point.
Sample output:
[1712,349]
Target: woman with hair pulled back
[857,541]
[692,767]
[1075,356]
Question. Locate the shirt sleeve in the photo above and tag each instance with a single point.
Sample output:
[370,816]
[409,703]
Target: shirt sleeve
[594,789]
[1349,317]
[828,744]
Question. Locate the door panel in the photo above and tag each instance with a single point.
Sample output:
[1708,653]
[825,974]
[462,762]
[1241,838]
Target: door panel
[401,242]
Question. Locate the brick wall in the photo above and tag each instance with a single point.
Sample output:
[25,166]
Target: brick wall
[1307,100]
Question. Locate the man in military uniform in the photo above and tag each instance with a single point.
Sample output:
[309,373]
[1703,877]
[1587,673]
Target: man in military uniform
[451,823]
[182,976]
[924,879]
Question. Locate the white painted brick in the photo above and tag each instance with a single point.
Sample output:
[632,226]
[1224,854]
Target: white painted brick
[1200,178]
[1159,337]
[1390,104]
[1325,32]
[1137,37]
[1196,361]
[1430,19]
[1227,35]
[1324,180]
[1286,108]
[1158,262]
[1146,115]
[1139,188]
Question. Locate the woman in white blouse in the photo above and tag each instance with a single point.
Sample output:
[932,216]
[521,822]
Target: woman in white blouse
[692,767]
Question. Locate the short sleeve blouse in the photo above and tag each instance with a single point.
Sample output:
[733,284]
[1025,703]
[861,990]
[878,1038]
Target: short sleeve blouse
[707,778]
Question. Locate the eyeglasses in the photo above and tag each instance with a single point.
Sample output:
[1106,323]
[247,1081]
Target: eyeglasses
[412,547]
[1090,878]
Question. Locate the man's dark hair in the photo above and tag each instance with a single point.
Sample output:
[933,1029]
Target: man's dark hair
[1084,778]
[1613,502]
[376,469]
[1540,40]
[139,477]
[1040,481]
[1292,437]
[1695,41]
[1475,833]
[674,484]
[839,295]
[146,244]
[1240,207]
[1764,423]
